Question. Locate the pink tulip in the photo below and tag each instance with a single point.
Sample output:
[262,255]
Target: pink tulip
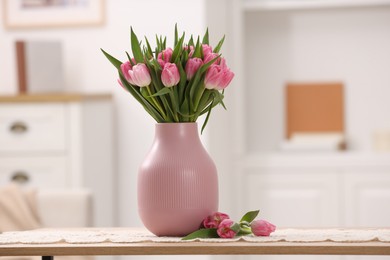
[218,76]
[225,229]
[170,75]
[206,49]
[210,57]
[125,67]
[192,67]
[214,220]
[164,57]
[262,227]
[139,75]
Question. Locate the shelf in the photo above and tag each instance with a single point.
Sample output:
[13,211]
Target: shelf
[53,97]
[275,5]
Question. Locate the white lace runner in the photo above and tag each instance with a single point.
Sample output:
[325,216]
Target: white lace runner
[123,235]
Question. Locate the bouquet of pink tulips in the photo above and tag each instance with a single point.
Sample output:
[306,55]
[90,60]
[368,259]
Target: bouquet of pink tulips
[175,85]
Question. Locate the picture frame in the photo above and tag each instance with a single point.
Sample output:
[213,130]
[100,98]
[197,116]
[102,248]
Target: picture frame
[19,14]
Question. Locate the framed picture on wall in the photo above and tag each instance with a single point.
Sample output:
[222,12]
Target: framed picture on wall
[52,13]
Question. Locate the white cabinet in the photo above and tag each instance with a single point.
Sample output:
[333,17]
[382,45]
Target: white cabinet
[293,199]
[328,190]
[31,127]
[317,190]
[60,142]
[367,197]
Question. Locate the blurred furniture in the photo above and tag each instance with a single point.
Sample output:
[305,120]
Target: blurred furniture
[40,67]
[268,44]
[65,208]
[60,141]
[323,190]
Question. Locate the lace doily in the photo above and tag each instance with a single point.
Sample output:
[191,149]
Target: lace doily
[123,235]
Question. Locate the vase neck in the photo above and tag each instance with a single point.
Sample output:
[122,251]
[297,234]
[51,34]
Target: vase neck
[176,131]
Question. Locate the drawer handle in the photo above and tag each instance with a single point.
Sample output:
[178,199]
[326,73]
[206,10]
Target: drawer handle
[18,128]
[20,177]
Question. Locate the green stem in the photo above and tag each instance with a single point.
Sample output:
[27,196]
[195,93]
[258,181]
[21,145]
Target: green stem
[156,103]
[245,230]
[175,105]
[198,96]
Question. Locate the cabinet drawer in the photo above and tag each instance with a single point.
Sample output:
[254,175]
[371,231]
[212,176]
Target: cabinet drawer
[42,172]
[32,127]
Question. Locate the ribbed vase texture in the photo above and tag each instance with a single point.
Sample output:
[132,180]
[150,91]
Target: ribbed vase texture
[177,181]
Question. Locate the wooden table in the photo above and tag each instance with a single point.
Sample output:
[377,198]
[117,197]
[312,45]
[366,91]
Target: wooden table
[196,248]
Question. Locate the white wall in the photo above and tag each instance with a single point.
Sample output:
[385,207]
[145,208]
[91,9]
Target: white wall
[87,70]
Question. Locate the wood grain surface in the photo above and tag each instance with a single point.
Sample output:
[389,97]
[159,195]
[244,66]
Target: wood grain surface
[198,248]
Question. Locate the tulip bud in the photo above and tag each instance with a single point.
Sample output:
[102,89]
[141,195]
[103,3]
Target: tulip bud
[140,75]
[226,78]
[192,67]
[164,57]
[228,229]
[206,49]
[170,75]
[210,57]
[125,67]
[218,76]
[262,227]
[214,220]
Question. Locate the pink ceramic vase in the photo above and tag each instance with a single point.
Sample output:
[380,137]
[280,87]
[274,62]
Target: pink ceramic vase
[177,181]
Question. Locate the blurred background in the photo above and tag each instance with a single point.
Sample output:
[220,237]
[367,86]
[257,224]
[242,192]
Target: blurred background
[306,134]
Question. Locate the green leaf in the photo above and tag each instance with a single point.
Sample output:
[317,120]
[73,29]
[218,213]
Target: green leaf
[161,92]
[150,52]
[250,216]
[218,47]
[223,105]
[130,60]
[206,37]
[218,96]
[176,35]
[145,94]
[136,48]
[114,61]
[191,41]
[235,227]
[212,100]
[178,49]
[197,51]
[204,101]
[184,58]
[185,111]
[207,117]
[174,101]
[182,82]
[158,47]
[202,233]
[194,86]
[198,95]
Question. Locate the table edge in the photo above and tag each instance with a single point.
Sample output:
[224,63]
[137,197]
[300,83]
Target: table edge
[198,248]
